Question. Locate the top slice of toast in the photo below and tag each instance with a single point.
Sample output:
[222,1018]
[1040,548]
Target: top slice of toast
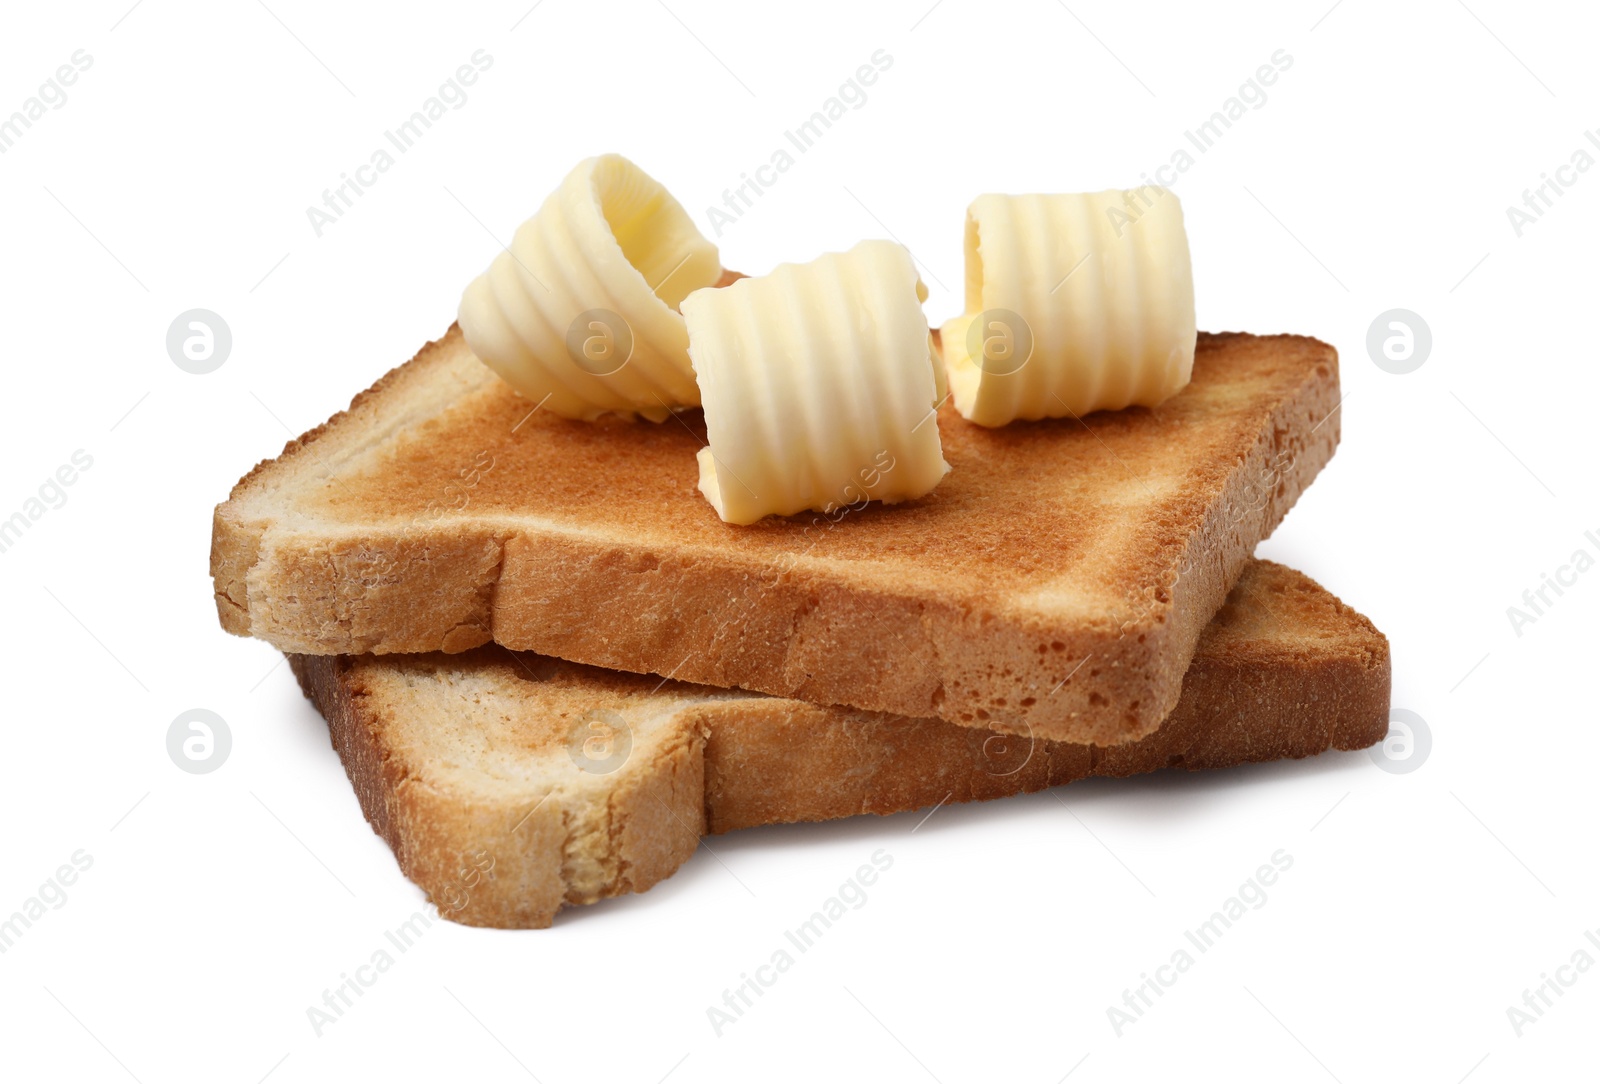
[1055,583]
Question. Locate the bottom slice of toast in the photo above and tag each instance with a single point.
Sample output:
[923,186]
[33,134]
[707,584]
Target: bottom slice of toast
[510,784]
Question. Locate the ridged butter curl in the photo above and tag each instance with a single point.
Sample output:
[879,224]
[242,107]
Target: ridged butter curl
[819,386]
[1074,303]
[580,313]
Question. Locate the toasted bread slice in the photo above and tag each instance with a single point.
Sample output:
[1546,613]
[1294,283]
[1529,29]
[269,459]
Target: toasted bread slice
[475,768]
[1055,583]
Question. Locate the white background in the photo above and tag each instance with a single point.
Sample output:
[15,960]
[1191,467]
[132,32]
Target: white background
[1377,175]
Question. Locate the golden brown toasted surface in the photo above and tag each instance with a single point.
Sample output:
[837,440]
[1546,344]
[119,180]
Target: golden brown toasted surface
[1113,488]
[474,767]
[443,511]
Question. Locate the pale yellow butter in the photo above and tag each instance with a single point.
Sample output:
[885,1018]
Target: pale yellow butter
[1074,303]
[580,313]
[818,386]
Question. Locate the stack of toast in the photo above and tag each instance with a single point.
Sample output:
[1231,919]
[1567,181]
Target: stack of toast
[549,667]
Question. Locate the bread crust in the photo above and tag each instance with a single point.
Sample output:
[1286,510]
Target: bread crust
[1284,670]
[1107,542]
[487,857]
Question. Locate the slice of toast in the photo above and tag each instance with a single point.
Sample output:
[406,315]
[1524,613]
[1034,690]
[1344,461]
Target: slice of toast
[510,784]
[1056,582]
